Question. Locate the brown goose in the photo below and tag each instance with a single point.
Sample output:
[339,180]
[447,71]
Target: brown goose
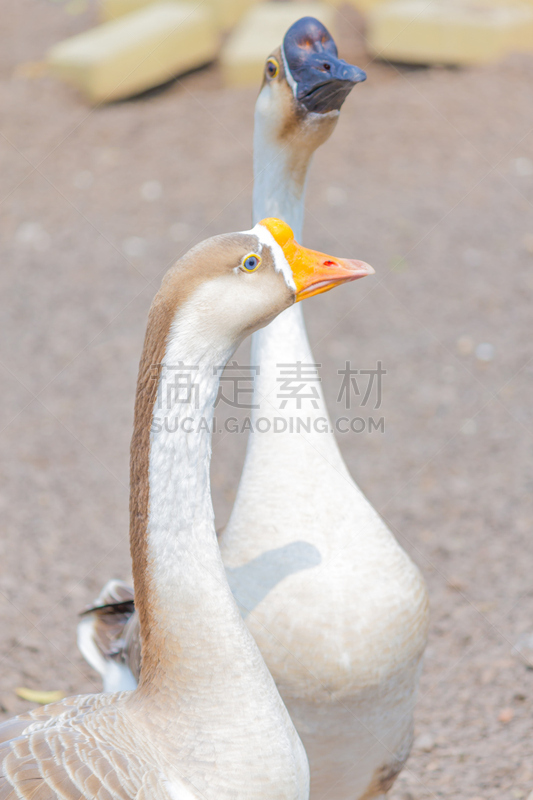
[206,721]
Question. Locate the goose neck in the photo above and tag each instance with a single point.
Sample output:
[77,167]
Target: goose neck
[280,178]
[180,586]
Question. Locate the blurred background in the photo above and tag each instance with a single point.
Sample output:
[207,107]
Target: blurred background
[428,177]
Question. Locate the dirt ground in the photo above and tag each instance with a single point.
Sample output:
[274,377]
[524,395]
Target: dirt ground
[429,177]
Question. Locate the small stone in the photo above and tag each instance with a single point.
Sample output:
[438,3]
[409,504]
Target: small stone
[335,196]
[134,246]
[108,156]
[524,649]
[527,241]
[469,427]
[504,663]
[456,583]
[84,179]
[179,231]
[399,264]
[465,345]
[506,715]
[425,742]
[34,235]
[486,607]
[30,70]
[448,372]
[151,191]
[485,351]
[472,257]
[523,167]
[487,676]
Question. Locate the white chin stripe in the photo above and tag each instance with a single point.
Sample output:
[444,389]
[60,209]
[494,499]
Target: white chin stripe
[280,262]
[290,80]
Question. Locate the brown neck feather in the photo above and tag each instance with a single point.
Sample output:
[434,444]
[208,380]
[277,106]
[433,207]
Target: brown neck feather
[159,321]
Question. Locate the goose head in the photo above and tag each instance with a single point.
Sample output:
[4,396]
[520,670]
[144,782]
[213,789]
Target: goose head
[304,86]
[228,286]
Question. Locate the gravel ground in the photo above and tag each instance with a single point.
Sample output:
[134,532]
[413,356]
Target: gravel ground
[429,177]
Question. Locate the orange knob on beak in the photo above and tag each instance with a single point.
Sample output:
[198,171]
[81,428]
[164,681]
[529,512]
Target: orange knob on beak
[313,272]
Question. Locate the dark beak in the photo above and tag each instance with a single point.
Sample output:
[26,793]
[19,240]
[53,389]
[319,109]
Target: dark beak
[322,96]
[321,81]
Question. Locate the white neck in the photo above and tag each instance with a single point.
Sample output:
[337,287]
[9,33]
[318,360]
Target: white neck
[188,586]
[286,468]
[279,191]
[205,680]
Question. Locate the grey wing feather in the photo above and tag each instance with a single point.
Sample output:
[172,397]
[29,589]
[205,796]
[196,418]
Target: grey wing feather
[55,755]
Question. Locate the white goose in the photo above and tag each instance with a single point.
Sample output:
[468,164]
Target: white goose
[338,609]
[343,639]
[206,721]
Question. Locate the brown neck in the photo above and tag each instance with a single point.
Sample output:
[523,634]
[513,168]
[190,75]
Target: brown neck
[147,387]
[181,591]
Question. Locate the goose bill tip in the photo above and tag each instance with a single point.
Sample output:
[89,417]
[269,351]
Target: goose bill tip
[332,274]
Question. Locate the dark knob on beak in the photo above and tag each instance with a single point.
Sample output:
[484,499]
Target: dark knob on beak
[321,80]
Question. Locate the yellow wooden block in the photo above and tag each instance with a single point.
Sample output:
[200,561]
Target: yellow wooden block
[143,49]
[365,5]
[259,33]
[448,31]
[226,13]
[229,12]
[113,9]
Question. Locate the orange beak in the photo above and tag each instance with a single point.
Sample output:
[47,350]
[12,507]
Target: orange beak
[313,272]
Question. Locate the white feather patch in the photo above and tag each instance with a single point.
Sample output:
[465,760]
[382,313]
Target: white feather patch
[178,791]
[288,75]
[280,262]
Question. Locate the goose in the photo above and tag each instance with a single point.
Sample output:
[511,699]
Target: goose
[206,721]
[338,609]
[343,639]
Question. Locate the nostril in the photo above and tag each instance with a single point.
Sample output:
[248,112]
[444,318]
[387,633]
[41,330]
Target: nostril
[329,263]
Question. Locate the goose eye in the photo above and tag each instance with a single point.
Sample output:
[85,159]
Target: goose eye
[272,68]
[251,262]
